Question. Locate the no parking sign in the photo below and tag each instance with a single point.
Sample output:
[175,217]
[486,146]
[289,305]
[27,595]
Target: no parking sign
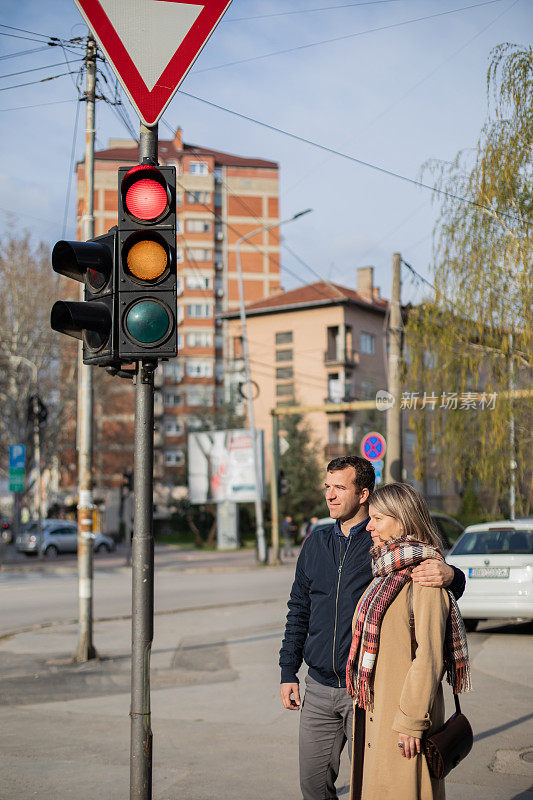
[373,446]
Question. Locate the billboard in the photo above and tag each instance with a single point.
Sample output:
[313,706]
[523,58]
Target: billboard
[221,466]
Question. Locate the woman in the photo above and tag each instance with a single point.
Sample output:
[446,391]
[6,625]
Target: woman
[400,649]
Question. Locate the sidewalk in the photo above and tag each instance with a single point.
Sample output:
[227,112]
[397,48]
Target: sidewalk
[219,730]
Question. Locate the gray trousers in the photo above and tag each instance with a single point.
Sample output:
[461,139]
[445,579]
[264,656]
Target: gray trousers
[325,726]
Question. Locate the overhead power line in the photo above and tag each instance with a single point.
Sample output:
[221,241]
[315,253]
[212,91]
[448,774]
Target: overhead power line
[310,10]
[344,37]
[339,153]
[25,52]
[35,69]
[39,105]
[42,80]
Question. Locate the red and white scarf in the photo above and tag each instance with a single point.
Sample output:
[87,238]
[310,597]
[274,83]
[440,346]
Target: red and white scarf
[391,565]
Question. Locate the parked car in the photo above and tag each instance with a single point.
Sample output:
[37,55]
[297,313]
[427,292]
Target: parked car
[497,559]
[59,536]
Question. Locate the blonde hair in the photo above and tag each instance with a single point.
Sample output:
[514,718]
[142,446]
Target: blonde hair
[403,503]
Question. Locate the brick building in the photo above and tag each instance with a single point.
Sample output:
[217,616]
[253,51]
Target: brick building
[220,198]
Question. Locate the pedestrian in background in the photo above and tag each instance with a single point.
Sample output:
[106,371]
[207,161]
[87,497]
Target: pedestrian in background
[400,649]
[286,532]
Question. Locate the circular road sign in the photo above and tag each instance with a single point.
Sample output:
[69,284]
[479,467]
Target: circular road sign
[373,446]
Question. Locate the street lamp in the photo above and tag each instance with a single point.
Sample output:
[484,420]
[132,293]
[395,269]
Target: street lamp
[261,543]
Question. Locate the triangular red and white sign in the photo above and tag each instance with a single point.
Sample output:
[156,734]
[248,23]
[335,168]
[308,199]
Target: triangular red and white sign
[151,44]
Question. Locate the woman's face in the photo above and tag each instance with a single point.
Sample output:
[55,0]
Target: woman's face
[382,527]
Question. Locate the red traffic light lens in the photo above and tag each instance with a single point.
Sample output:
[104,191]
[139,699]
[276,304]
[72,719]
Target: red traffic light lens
[145,193]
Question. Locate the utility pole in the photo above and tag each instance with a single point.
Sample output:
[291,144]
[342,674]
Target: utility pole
[37,459]
[85,649]
[512,445]
[393,461]
[142,616]
[274,489]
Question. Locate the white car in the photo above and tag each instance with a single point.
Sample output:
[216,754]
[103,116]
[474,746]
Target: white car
[497,559]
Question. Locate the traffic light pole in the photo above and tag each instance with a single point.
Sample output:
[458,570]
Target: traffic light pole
[85,649]
[142,617]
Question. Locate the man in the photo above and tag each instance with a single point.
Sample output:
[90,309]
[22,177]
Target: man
[333,570]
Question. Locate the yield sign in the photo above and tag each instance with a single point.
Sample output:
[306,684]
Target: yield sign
[151,44]
[373,446]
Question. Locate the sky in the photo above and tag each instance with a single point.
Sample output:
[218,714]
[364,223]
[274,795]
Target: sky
[394,83]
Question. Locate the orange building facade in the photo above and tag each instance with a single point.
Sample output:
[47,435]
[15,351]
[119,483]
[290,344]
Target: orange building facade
[220,198]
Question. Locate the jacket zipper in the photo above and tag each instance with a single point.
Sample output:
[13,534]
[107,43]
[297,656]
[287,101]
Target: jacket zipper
[339,570]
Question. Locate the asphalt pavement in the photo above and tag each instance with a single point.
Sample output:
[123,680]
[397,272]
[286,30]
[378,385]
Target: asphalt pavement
[219,729]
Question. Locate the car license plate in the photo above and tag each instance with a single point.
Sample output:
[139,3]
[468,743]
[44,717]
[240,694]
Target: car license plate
[488,572]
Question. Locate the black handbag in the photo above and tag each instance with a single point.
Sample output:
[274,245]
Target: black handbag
[445,749]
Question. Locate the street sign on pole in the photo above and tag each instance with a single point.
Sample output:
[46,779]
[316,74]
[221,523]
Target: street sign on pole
[373,446]
[151,44]
[17,467]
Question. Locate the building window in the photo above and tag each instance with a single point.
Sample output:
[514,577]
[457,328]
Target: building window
[284,337]
[198,168]
[218,199]
[180,315]
[283,355]
[198,197]
[199,369]
[283,373]
[433,486]
[368,343]
[199,396]
[173,370]
[334,432]
[199,310]
[174,458]
[198,254]
[180,341]
[219,341]
[198,225]
[171,398]
[368,389]
[198,282]
[284,389]
[173,427]
[199,339]
[217,173]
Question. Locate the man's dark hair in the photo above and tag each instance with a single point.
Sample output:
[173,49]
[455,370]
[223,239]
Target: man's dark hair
[364,471]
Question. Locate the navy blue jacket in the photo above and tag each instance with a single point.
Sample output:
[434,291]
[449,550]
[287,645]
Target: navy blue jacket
[332,573]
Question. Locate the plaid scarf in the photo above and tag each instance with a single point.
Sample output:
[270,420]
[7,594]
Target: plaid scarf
[391,566]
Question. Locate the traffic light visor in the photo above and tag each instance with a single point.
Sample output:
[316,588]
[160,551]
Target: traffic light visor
[147,257]
[145,193]
[90,322]
[87,262]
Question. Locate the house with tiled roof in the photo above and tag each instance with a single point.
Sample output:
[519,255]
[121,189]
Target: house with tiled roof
[316,344]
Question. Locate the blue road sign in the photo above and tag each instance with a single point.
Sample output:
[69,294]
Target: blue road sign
[17,467]
[373,446]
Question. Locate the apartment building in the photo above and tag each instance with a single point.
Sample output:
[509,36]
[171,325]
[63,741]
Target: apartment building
[320,343]
[220,197]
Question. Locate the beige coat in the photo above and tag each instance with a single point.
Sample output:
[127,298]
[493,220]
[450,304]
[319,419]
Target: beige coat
[407,699]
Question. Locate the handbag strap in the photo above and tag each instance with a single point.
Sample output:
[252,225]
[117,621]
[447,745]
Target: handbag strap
[414,643]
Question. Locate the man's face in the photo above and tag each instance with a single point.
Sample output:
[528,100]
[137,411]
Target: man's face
[342,495]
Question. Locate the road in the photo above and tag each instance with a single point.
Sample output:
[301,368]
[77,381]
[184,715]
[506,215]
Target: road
[219,730]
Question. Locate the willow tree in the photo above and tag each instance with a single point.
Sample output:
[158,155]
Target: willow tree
[475,334]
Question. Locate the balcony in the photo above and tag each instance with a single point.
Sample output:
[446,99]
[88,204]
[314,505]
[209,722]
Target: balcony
[341,357]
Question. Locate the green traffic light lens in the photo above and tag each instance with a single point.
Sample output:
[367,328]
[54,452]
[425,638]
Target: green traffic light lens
[147,322]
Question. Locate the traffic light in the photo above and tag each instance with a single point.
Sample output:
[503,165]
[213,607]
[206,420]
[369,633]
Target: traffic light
[283,483]
[146,263]
[127,480]
[92,321]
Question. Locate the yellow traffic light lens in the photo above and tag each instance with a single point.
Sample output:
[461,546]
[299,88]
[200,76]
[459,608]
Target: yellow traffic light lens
[147,260]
